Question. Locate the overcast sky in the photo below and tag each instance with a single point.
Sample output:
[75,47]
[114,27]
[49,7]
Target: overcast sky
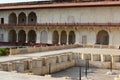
[10,1]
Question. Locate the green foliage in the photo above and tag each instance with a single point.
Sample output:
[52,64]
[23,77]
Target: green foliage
[3,51]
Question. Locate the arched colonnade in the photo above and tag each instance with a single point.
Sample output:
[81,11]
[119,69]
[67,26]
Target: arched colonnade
[58,37]
[22,18]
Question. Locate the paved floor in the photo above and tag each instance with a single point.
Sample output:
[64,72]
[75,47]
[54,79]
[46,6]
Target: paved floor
[96,74]
[80,50]
[21,76]
[12,58]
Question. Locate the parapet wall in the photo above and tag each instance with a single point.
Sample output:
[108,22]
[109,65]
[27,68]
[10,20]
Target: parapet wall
[98,60]
[58,62]
[40,49]
[49,48]
[40,65]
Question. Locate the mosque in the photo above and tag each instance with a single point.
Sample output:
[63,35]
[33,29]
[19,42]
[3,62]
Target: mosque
[61,22]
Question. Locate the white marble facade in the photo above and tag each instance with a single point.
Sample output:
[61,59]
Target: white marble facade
[63,35]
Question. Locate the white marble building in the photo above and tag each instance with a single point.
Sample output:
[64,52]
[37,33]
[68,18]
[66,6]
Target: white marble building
[61,23]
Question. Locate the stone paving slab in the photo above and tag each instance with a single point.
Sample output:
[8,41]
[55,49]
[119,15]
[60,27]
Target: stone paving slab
[46,53]
[78,50]
[96,74]
[99,74]
[11,58]
[19,76]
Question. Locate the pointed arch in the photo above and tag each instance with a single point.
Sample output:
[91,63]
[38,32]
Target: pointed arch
[22,36]
[102,37]
[55,38]
[43,37]
[71,37]
[22,18]
[63,39]
[32,18]
[12,18]
[32,36]
[12,36]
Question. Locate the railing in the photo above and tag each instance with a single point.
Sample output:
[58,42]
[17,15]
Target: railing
[42,48]
[102,46]
[25,44]
[61,24]
[46,44]
[49,48]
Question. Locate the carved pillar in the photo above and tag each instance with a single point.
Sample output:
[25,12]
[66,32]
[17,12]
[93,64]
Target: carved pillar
[17,35]
[26,18]
[67,33]
[26,36]
[38,37]
[17,18]
[59,37]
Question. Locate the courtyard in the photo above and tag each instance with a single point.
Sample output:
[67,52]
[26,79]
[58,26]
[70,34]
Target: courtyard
[95,74]
[72,72]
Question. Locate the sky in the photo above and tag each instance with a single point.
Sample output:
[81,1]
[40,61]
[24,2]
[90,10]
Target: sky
[11,1]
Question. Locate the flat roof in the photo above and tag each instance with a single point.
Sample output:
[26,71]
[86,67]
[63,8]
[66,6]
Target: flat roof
[16,6]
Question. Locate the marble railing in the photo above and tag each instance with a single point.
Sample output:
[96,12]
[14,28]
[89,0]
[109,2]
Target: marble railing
[49,48]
